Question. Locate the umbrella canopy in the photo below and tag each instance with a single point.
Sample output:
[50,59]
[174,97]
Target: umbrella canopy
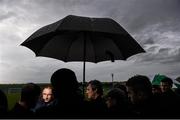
[77,38]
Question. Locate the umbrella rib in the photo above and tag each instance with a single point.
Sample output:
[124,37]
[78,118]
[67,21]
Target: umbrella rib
[68,49]
[91,40]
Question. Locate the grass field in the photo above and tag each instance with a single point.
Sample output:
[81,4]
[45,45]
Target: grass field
[12,99]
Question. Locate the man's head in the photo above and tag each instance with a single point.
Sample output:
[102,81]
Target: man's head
[30,94]
[115,98]
[166,84]
[94,89]
[139,88]
[47,94]
[64,82]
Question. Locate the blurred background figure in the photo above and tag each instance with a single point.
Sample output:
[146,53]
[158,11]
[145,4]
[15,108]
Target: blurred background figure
[117,103]
[169,99]
[166,85]
[140,94]
[29,97]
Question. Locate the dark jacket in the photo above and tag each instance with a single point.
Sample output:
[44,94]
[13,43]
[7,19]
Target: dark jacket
[148,109]
[20,112]
[169,102]
[96,108]
[40,104]
[119,112]
[63,108]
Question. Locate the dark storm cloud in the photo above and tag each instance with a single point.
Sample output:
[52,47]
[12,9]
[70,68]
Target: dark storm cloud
[162,55]
[142,13]
[148,41]
[153,23]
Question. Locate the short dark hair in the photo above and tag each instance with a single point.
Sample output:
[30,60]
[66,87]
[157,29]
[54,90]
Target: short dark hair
[48,87]
[140,83]
[117,94]
[30,91]
[96,85]
[167,80]
[64,81]
[120,86]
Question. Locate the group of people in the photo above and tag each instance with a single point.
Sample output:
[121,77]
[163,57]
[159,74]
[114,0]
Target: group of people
[63,99]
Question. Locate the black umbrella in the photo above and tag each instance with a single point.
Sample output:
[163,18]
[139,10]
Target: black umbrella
[76,38]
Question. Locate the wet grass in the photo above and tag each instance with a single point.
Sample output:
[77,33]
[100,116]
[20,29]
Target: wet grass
[12,99]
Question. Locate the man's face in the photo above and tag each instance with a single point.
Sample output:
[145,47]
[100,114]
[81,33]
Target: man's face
[47,95]
[134,98]
[165,86]
[156,90]
[90,92]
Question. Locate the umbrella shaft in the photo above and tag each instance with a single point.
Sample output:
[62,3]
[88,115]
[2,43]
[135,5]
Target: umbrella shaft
[84,62]
[84,66]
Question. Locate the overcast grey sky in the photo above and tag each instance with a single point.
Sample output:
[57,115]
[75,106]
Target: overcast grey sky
[153,23]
